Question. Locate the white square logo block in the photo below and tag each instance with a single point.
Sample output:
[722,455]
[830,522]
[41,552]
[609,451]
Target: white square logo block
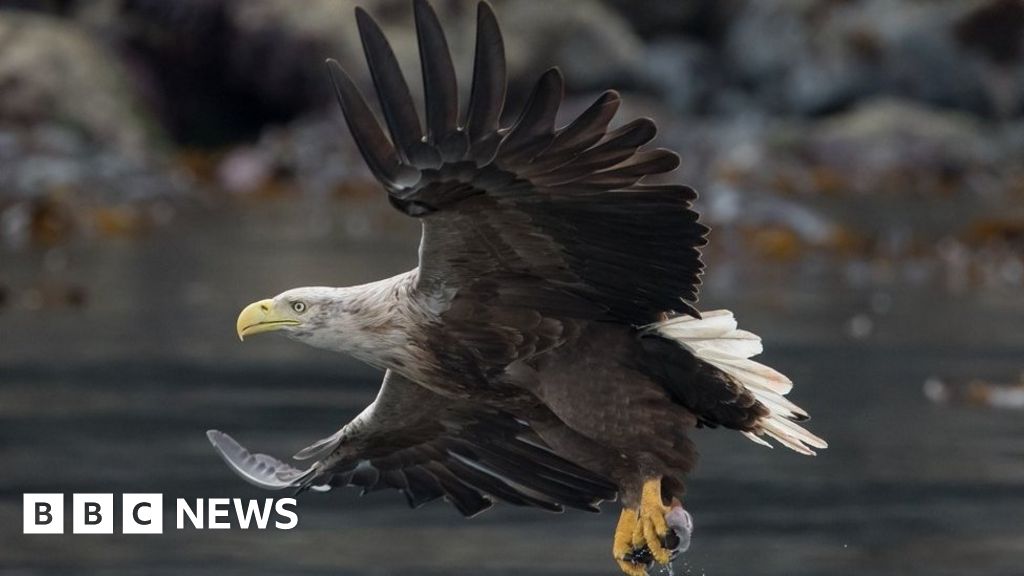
[92,514]
[43,514]
[142,514]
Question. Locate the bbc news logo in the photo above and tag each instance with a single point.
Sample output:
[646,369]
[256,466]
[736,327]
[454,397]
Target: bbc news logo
[144,513]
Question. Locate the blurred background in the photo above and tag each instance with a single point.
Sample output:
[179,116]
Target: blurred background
[163,163]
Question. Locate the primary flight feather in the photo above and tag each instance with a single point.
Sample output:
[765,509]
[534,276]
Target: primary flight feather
[547,351]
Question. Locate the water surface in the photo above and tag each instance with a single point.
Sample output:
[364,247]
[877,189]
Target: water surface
[115,397]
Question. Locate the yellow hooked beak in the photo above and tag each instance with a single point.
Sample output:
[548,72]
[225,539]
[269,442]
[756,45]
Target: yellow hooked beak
[259,317]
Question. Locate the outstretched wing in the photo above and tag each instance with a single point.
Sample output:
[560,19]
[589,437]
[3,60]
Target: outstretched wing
[528,216]
[430,447]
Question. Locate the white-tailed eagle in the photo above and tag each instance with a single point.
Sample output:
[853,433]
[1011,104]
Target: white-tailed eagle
[547,351]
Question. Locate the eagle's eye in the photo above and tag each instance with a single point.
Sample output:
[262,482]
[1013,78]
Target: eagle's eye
[299,307]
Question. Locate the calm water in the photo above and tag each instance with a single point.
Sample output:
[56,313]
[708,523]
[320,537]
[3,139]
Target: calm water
[116,397]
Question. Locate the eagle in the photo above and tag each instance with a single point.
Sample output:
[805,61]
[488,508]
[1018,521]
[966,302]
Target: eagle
[547,351]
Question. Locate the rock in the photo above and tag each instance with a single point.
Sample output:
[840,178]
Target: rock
[244,170]
[704,19]
[53,70]
[313,155]
[995,29]
[77,147]
[772,48]
[683,73]
[222,69]
[998,229]
[56,185]
[889,189]
[888,146]
[815,56]
[882,147]
[48,158]
[593,45]
[780,220]
[976,392]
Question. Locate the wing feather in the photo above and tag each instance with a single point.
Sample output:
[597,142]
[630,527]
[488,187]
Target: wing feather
[440,88]
[487,95]
[535,128]
[550,214]
[375,147]
[395,98]
[428,447]
[586,130]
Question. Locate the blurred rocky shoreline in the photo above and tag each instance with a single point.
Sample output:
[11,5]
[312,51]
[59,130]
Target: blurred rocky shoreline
[882,141]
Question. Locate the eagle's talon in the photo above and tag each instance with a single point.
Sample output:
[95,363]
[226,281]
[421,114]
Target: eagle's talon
[652,518]
[640,556]
[651,533]
[631,569]
[628,548]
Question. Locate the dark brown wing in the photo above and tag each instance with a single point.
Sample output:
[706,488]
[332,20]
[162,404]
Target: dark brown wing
[530,216]
[430,447]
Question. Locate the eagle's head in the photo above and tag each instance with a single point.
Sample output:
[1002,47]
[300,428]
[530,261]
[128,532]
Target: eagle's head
[293,311]
[356,320]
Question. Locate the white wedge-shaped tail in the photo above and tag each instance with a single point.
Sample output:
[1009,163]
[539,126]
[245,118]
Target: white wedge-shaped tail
[715,339]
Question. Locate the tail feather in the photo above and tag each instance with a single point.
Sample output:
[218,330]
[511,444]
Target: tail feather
[716,340]
[792,436]
[757,439]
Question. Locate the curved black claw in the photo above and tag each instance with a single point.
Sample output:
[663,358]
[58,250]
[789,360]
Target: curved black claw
[641,556]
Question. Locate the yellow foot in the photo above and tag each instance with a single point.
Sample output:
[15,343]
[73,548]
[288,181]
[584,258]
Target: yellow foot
[623,547]
[652,521]
[643,535]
